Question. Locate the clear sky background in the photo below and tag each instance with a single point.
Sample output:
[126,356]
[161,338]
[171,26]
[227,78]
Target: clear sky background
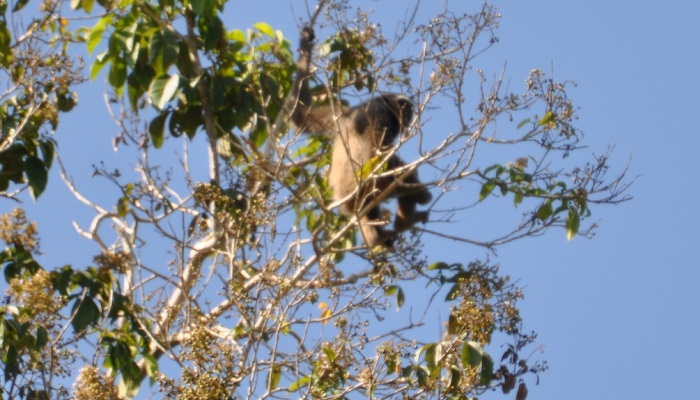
[618,314]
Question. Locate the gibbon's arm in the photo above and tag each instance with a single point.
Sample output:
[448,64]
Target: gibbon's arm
[319,120]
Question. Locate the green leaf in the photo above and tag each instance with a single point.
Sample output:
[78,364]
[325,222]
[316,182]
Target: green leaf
[85,313]
[5,49]
[523,122]
[573,222]
[400,298]
[117,74]
[298,384]
[87,5]
[486,369]
[151,364]
[130,373]
[96,32]
[452,294]
[439,265]
[518,198]
[157,129]
[486,189]
[126,35]
[393,363]
[547,119]
[66,101]
[213,31]
[375,163]
[545,211]
[10,358]
[497,167]
[187,121]
[42,337]
[19,5]
[273,377]
[62,280]
[237,35]
[429,351]
[123,206]
[163,89]
[265,28]
[163,50]
[258,137]
[38,176]
[503,187]
[134,90]
[396,290]
[200,6]
[329,353]
[422,374]
[100,61]
[452,324]
[472,354]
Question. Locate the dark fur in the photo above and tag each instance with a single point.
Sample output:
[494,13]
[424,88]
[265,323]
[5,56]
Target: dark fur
[360,133]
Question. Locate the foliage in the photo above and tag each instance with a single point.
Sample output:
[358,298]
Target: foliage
[245,278]
[37,74]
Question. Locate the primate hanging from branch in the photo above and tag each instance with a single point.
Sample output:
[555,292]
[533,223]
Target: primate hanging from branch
[361,135]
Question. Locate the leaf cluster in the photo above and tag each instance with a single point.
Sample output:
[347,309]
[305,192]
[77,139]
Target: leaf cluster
[200,78]
[39,80]
[571,203]
[33,329]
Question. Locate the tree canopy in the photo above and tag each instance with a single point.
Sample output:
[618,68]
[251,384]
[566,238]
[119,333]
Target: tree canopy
[244,281]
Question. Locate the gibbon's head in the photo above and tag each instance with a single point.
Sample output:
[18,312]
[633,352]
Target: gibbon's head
[401,106]
[388,114]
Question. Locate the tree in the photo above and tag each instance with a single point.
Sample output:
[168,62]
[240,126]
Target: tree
[242,281]
[37,73]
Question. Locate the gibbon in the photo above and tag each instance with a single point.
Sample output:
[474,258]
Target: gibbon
[362,134]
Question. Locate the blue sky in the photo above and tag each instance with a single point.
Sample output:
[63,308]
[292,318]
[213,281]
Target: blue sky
[617,314]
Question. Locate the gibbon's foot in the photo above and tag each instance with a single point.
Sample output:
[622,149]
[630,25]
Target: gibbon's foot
[403,223]
[386,239]
[422,216]
[374,234]
[423,197]
[379,237]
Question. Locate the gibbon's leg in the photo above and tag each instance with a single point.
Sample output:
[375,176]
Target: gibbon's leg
[411,185]
[406,214]
[408,196]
